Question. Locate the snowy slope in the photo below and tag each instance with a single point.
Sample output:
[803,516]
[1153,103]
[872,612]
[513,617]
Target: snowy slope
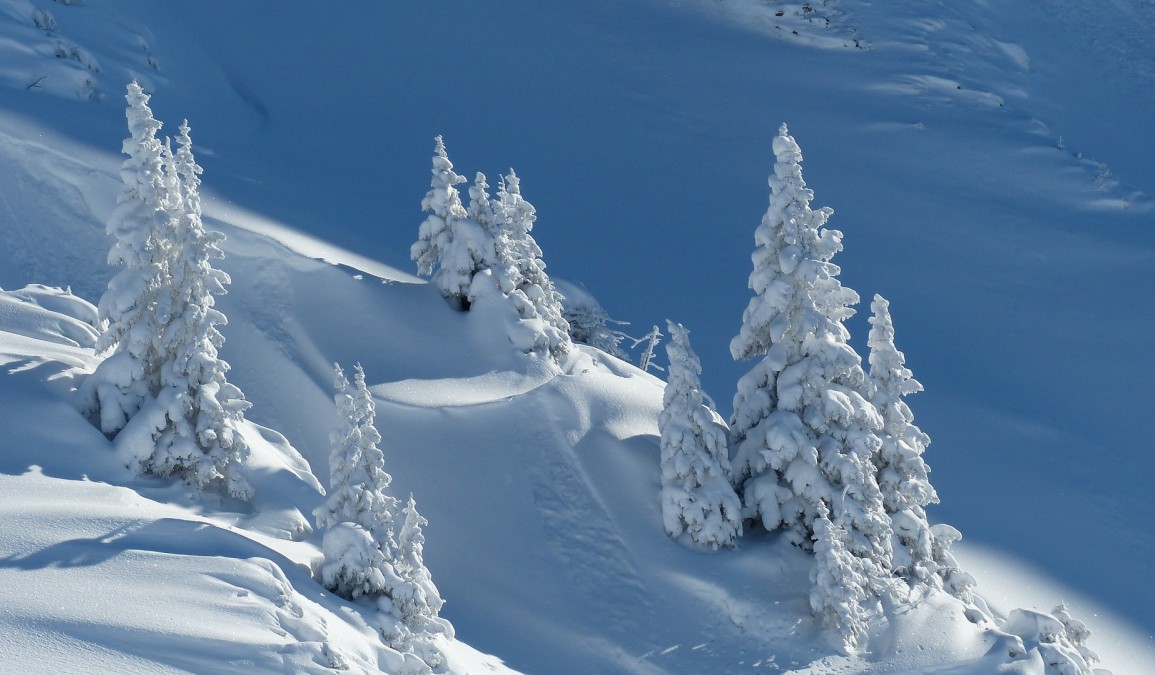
[1016,268]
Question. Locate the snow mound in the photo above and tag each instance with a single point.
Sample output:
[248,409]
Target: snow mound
[50,314]
[490,387]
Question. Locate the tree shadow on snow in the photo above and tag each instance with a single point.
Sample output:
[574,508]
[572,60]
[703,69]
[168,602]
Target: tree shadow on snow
[44,429]
[169,536]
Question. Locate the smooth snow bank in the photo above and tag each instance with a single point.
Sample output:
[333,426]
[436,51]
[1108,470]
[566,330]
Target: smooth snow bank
[218,211]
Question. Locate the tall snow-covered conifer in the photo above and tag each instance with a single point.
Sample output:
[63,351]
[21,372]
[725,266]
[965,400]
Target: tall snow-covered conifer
[161,324]
[803,434]
[443,203]
[902,473]
[697,499]
[199,437]
[130,375]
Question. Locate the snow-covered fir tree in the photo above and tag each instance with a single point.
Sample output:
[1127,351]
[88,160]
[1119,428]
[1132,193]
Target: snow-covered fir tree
[161,323]
[843,584]
[365,555]
[954,580]
[902,474]
[523,268]
[803,434]
[418,602]
[697,499]
[358,515]
[130,375]
[1076,634]
[199,438]
[590,324]
[482,208]
[450,246]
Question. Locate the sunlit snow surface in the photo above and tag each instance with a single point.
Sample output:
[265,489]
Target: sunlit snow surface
[989,164]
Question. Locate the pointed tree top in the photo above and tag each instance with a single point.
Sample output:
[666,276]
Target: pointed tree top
[141,123]
[478,194]
[881,326]
[786,149]
[512,182]
[681,355]
[340,382]
[886,362]
[359,376]
[136,93]
[443,174]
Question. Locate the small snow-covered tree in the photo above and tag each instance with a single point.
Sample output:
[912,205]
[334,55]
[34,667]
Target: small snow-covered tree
[443,203]
[954,581]
[1076,633]
[520,259]
[418,600]
[365,554]
[199,437]
[130,376]
[697,499]
[1057,638]
[902,474]
[842,584]
[451,247]
[482,207]
[590,324]
[803,434]
[357,488]
[651,340]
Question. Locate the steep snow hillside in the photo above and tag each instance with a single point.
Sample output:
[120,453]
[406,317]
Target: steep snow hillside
[989,164]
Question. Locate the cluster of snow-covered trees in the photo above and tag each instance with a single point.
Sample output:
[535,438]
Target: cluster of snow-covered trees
[817,446]
[162,391]
[373,545]
[487,248]
[162,377]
